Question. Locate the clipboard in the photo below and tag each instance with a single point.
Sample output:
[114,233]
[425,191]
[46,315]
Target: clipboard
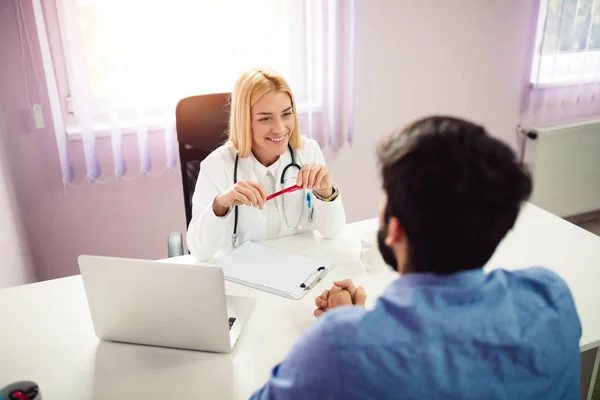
[273,270]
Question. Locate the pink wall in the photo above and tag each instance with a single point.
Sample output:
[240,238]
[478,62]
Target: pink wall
[413,58]
[16,267]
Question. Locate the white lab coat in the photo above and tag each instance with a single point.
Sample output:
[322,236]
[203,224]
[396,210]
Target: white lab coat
[208,233]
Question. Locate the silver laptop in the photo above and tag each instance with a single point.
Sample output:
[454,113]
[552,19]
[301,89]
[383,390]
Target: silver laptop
[162,304]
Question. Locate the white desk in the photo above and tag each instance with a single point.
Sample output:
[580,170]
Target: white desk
[47,335]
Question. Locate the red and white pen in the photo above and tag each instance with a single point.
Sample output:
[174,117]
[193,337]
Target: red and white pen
[284,191]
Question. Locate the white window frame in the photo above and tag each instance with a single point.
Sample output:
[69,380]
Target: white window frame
[544,66]
[66,64]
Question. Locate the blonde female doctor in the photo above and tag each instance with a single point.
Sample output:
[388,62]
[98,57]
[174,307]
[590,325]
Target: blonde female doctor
[265,153]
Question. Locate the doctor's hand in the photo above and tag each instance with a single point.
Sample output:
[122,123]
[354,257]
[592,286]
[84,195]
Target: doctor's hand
[316,177]
[246,193]
[342,293]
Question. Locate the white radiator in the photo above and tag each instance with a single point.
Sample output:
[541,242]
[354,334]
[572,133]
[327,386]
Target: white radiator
[565,162]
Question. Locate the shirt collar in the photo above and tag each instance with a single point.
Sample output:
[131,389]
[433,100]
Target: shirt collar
[261,171]
[463,279]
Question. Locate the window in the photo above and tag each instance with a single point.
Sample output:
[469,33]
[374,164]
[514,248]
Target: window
[567,43]
[137,58]
[121,66]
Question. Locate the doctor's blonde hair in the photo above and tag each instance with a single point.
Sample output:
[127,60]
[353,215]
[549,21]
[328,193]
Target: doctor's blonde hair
[250,86]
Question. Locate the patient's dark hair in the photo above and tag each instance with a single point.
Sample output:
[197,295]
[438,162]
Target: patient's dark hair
[455,189]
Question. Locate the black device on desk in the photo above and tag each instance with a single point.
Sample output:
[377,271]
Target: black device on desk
[20,391]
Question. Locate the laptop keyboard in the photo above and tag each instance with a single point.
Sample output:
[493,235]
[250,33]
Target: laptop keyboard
[231,321]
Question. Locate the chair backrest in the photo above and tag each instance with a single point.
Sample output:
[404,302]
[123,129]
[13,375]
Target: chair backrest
[201,123]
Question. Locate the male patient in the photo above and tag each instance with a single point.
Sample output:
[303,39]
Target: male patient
[444,329]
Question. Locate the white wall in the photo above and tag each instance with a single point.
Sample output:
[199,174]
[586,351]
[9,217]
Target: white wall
[15,263]
[414,58]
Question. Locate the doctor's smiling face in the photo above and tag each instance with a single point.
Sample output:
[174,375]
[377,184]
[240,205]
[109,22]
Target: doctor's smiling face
[272,125]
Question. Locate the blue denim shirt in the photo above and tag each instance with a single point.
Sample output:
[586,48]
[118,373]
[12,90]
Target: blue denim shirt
[470,335]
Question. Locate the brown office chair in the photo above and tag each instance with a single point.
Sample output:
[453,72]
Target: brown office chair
[201,123]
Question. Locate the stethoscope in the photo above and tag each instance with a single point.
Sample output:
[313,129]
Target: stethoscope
[293,164]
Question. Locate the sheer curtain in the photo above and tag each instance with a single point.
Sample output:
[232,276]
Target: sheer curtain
[565,73]
[326,68]
[129,62]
